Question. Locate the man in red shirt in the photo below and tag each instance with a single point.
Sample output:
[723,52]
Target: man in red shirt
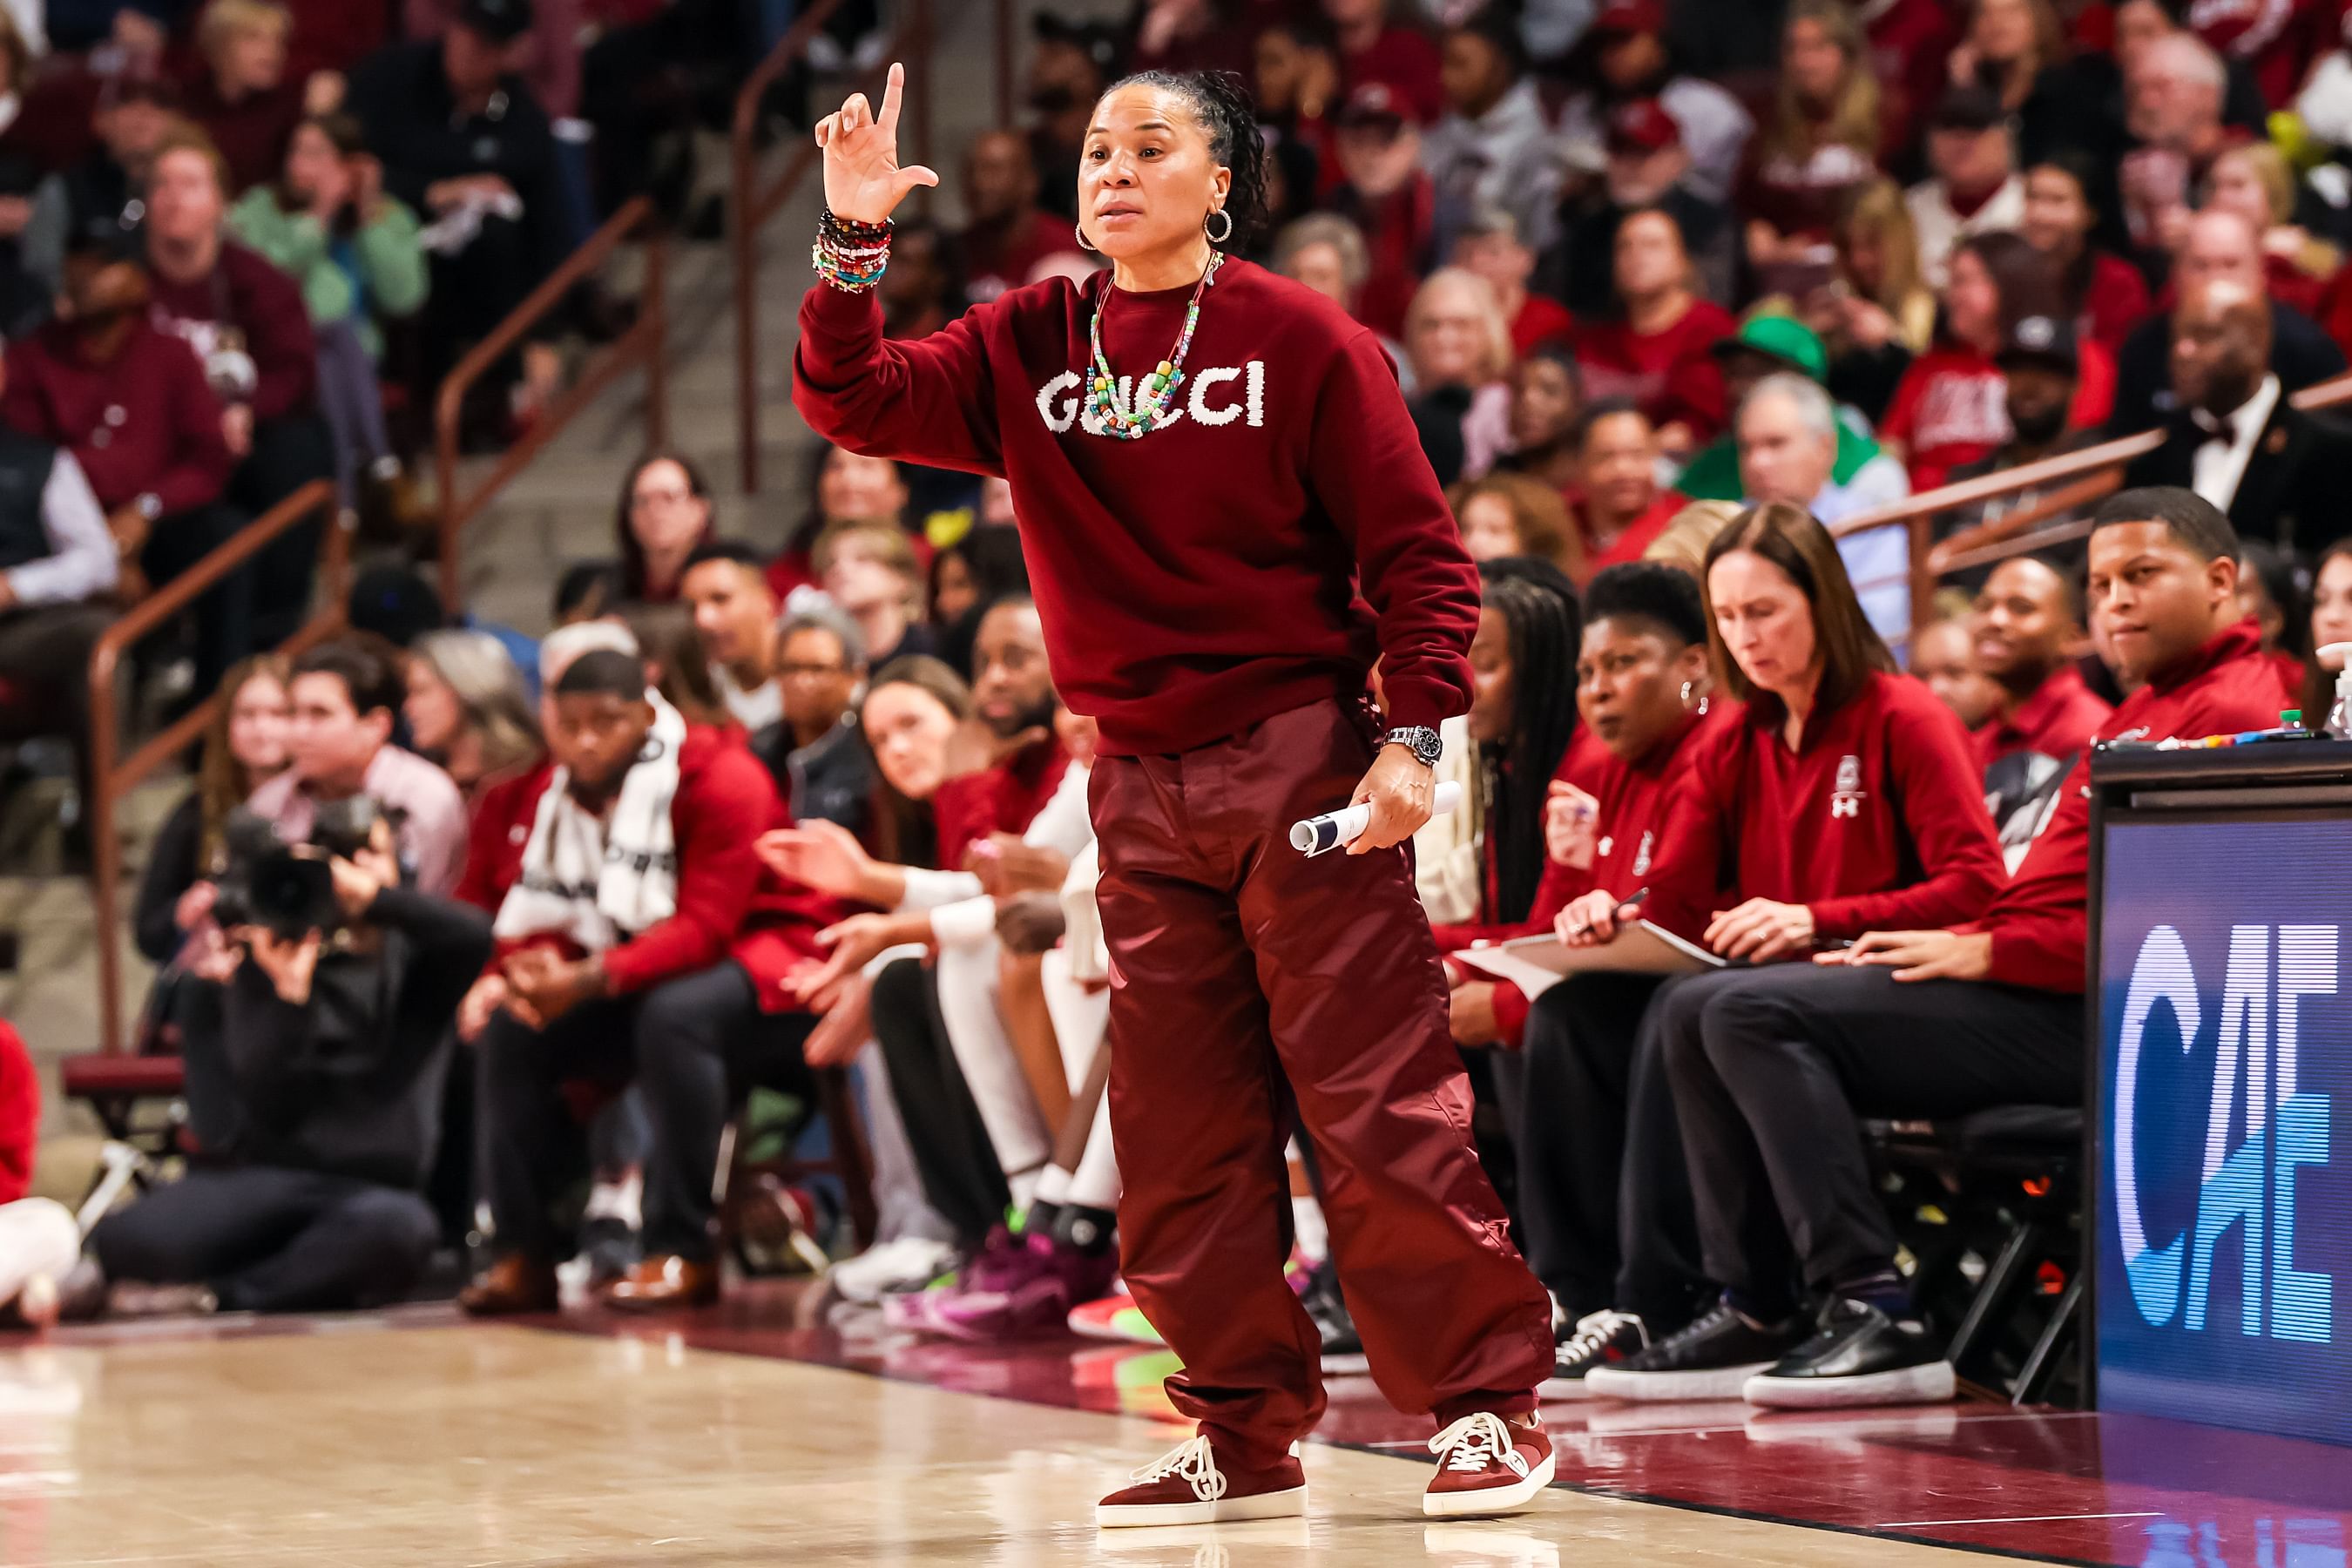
[1490,245]
[130,403]
[640,941]
[1008,234]
[1771,1088]
[248,324]
[2027,617]
[1659,354]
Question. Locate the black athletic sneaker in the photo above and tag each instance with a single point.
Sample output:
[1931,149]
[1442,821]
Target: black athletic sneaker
[1858,1355]
[1598,1339]
[1712,1359]
[1343,1353]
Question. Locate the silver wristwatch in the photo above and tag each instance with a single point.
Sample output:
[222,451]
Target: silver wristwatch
[1419,739]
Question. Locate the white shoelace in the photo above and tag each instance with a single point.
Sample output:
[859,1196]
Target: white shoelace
[1593,1333]
[1477,1441]
[1191,1462]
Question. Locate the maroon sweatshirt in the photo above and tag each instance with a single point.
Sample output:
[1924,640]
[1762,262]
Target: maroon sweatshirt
[1217,571]
[144,423]
[2038,923]
[1876,821]
[245,295]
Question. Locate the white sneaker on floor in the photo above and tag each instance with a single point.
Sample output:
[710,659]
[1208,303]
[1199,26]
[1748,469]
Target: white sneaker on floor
[908,1264]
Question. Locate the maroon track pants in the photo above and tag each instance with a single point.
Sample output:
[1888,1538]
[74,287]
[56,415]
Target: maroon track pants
[1247,978]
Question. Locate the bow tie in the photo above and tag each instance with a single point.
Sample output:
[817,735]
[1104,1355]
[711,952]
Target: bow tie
[2222,427]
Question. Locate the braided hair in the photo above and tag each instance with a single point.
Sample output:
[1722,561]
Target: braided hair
[1543,627]
[1221,102]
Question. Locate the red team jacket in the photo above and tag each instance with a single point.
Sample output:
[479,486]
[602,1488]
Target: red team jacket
[2039,923]
[1876,821]
[2059,720]
[1631,799]
[728,904]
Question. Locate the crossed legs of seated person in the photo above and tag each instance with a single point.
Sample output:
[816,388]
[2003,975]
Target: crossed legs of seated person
[1772,1070]
[691,1044]
[1012,1284]
[268,1239]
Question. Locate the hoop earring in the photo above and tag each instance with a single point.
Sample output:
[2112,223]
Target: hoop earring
[1083,243]
[1219,238]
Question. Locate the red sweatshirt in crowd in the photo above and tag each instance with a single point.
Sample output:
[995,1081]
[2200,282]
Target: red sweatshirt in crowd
[1637,536]
[144,423]
[244,295]
[1217,571]
[20,1115]
[1630,800]
[2038,922]
[1876,820]
[1004,799]
[2058,720]
[728,904]
[1671,374]
[1952,407]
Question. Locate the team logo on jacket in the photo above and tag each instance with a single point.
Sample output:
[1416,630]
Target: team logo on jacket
[1214,395]
[1641,856]
[1846,799]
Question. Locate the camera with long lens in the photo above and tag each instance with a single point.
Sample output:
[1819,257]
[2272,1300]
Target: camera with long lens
[281,888]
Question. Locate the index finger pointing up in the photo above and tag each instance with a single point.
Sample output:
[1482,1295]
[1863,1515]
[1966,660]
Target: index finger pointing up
[892,91]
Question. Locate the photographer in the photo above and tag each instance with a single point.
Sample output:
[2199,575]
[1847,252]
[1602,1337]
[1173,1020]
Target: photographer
[344,696]
[335,1031]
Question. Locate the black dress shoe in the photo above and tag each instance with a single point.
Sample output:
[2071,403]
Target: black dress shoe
[1712,1359]
[1343,1353]
[1858,1355]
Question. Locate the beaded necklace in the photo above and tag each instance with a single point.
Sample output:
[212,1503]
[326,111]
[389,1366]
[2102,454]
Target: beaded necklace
[1151,396]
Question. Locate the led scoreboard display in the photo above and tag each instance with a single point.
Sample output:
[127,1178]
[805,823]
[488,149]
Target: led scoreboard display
[2221,1141]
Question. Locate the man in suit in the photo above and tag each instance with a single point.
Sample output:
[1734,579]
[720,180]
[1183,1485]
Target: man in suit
[2221,245]
[2234,438]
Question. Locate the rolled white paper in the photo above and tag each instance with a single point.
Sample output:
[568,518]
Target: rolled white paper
[1334,828]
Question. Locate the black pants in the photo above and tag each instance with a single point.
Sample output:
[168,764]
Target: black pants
[1605,1196]
[288,453]
[962,1176]
[225,611]
[46,647]
[269,1238]
[1772,1070]
[691,1046]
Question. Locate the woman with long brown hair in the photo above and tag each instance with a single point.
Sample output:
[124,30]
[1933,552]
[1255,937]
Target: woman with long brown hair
[244,747]
[665,511]
[1821,140]
[1838,797]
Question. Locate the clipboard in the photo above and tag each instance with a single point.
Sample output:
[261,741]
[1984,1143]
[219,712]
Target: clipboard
[1536,963]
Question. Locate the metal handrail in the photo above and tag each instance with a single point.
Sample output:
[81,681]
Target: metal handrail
[646,343]
[2088,476]
[752,206]
[111,779]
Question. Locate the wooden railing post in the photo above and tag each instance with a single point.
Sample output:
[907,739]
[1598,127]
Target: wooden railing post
[646,343]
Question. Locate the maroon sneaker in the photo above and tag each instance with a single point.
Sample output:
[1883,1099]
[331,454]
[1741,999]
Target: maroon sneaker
[1486,1464]
[1185,1486]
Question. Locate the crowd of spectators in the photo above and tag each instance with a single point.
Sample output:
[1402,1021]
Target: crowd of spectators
[1671,301]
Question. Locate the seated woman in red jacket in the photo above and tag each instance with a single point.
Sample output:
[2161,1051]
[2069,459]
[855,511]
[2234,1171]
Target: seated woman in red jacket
[1842,797]
[639,942]
[1642,692]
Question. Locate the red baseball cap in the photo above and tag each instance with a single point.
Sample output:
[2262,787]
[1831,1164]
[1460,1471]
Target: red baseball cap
[1643,126]
[1631,16]
[1373,103]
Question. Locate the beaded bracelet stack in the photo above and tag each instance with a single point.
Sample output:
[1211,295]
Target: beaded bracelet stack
[849,255]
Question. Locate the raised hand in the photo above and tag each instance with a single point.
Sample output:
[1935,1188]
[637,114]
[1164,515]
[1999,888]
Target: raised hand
[863,181]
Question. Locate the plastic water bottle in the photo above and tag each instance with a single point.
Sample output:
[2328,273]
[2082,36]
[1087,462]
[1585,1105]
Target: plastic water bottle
[2337,656]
